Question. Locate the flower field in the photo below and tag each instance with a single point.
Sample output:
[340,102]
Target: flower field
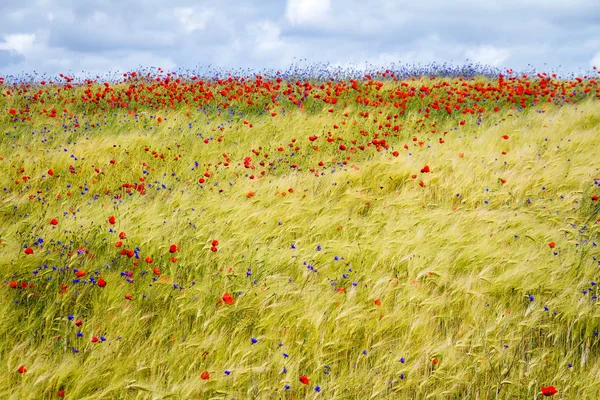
[292,235]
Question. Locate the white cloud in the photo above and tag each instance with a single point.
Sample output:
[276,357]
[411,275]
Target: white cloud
[18,43]
[596,61]
[266,36]
[192,20]
[488,55]
[307,11]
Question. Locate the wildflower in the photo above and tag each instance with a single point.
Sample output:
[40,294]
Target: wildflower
[304,379]
[54,221]
[94,339]
[549,391]
[205,375]
[377,302]
[101,282]
[173,248]
[112,219]
[551,244]
[28,250]
[425,169]
[254,340]
[227,298]
[22,369]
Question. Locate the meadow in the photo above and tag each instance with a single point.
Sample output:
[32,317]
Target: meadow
[287,236]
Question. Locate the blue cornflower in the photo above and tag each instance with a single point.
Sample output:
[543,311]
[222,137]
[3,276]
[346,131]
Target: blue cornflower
[254,340]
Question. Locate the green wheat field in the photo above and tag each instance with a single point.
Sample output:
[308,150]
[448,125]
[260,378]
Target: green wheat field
[244,246]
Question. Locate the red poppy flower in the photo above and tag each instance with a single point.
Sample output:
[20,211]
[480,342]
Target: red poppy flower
[549,391]
[94,339]
[122,235]
[54,221]
[60,393]
[80,273]
[205,375]
[215,242]
[213,249]
[377,302]
[112,219]
[156,271]
[595,198]
[50,172]
[173,248]
[551,244]
[435,361]
[101,282]
[425,169]
[128,296]
[149,260]
[22,369]
[79,322]
[13,284]
[505,137]
[13,111]
[304,379]
[227,298]
[29,250]
[118,244]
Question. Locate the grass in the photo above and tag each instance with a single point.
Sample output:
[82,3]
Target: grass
[346,269]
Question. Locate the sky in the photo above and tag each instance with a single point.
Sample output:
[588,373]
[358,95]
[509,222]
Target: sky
[100,36]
